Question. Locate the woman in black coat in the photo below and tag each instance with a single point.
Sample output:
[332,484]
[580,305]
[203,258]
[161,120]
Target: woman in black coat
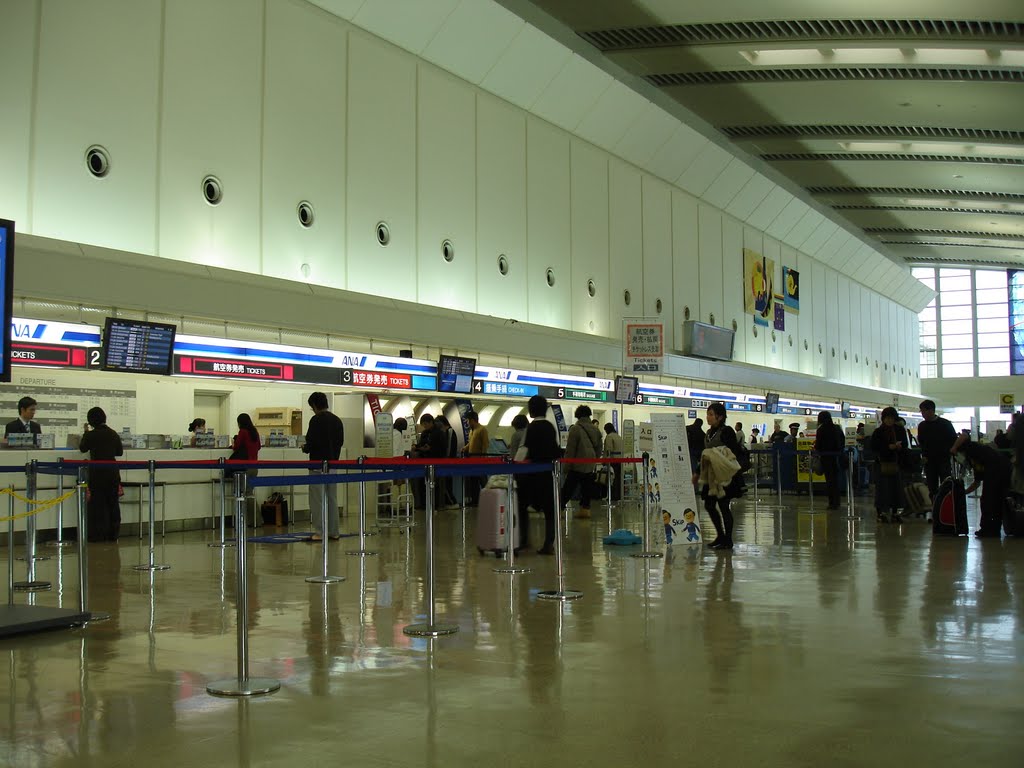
[718,508]
[890,446]
[830,441]
[104,507]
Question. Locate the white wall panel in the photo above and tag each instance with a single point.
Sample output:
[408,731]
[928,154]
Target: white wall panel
[751,196]
[211,119]
[381,168]
[786,219]
[705,168]
[685,263]
[589,195]
[866,339]
[409,24]
[736,237]
[845,348]
[876,339]
[833,350]
[657,250]
[709,229]
[819,314]
[501,207]
[803,229]
[17,54]
[728,184]
[805,341]
[625,220]
[817,239]
[611,116]
[98,94]
[548,230]
[572,93]
[769,208]
[526,67]
[473,38]
[677,153]
[650,130]
[346,9]
[304,144]
[790,352]
[446,190]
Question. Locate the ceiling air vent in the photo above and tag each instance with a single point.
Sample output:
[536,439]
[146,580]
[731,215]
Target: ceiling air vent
[823,74]
[919,192]
[929,209]
[940,233]
[890,157]
[870,131]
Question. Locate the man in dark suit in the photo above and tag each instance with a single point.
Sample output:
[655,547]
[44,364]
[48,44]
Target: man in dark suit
[24,423]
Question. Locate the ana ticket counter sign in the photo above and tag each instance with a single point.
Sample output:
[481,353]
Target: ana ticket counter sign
[803,460]
[644,341]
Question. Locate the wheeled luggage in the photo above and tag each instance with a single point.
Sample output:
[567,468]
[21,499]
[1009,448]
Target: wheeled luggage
[491,521]
[918,500]
[949,512]
[1013,516]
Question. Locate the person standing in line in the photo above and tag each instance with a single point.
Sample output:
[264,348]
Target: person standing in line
[741,437]
[246,444]
[936,436]
[519,425]
[431,444]
[541,443]
[446,494]
[614,448]
[718,507]
[104,506]
[889,444]
[24,424]
[325,437]
[695,443]
[583,442]
[829,442]
[479,445]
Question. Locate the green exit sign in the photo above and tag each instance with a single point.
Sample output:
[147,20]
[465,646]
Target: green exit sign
[583,394]
[658,400]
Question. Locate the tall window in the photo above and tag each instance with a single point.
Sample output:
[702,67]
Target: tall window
[965,331]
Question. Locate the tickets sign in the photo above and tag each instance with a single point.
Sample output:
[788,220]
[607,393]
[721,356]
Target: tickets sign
[644,346]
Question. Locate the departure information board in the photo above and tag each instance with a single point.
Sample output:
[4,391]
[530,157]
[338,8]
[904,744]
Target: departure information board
[455,374]
[133,346]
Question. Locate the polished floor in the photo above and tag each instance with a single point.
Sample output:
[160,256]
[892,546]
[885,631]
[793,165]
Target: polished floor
[819,640]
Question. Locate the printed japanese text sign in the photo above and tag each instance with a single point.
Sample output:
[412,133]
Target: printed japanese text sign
[644,346]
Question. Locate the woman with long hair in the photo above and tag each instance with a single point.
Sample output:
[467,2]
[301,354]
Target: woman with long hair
[246,445]
[889,443]
[720,434]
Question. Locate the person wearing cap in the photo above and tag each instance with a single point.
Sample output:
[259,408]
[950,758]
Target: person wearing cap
[794,432]
[24,423]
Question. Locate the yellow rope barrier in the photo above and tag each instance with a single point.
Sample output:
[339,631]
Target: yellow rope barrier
[41,506]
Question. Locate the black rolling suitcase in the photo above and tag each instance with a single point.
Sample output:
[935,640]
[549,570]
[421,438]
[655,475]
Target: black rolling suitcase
[949,511]
[1013,516]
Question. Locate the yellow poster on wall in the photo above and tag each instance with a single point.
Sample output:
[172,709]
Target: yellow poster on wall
[803,460]
[758,286]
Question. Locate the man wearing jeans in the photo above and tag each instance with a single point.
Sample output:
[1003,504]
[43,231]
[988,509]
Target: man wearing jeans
[324,438]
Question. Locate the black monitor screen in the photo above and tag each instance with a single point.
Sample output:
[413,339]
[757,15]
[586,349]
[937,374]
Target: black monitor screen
[455,374]
[134,346]
[771,402]
[845,410]
[6,294]
[625,389]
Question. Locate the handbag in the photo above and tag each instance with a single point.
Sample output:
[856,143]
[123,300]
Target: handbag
[889,468]
[817,468]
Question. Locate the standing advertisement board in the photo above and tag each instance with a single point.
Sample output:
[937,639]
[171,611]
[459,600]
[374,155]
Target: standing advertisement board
[674,510]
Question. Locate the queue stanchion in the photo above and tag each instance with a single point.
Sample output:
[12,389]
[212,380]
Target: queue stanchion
[362,551]
[31,524]
[152,565]
[851,504]
[512,508]
[242,685]
[778,471]
[810,479]
[647,551]
[223,507]
[10,545]
[324,578]
[59,541]
[31,584]
[83,556]
[562,594]
[430,628]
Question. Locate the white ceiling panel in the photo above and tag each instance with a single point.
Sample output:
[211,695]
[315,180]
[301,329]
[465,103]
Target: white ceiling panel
[572,93]
[831,248]
[803,229]
[648,133]
[704,169]
[728,184]
[769,208]
[849,250]
[819,237]
[473,38]
[611,116]
[344,9]
[409,24]
[752,195]
[526,67]
[787,218]
[676,154]
[862,269]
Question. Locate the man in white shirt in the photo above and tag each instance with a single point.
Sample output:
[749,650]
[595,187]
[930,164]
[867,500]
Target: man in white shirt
[741,437]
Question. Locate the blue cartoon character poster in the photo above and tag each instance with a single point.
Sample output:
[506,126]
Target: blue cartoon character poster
[666,518]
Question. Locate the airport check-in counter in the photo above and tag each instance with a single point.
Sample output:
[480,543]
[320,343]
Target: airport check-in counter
[186,499]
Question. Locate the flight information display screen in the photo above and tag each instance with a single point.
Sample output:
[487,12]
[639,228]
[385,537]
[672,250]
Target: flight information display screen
[455,374]
[134,346]
[626,388]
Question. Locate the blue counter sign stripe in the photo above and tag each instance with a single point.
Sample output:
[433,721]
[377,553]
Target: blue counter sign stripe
[77,336]
[383,365]
[713,398]
[262,354]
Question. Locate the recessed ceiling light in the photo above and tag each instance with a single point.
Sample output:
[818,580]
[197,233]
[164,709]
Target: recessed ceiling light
[953,56]
[958,175]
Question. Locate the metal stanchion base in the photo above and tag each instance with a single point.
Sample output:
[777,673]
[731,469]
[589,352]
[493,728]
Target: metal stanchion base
[648,554]
[221,544]
[430,630]
[36,558]
[147,567]
[324,579]
[32,586]
[362,552]
[512,569]
[59,544]
[96,616]
[560,594]
[254,686]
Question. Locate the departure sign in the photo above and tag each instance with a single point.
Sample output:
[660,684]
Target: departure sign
[132,346]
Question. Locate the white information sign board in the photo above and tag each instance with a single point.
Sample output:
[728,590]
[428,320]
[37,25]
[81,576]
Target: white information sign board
[674,510]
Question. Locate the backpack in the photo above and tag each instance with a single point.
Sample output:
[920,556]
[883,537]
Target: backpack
[742,454]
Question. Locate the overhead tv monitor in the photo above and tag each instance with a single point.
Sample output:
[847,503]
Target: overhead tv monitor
[709,341]
[135,346]
[845,410]
[455,374]
[626,388]
[6,293]
[771,402]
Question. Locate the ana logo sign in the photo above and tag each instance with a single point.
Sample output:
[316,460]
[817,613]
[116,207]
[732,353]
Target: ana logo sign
[20,330]
[354,361]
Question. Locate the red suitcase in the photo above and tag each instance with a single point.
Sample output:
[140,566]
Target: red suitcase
[492,521]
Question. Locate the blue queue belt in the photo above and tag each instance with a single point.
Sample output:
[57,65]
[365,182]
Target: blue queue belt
[20,469]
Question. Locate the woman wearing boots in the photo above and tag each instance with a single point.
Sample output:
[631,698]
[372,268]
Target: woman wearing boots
[719,434]
[889,443]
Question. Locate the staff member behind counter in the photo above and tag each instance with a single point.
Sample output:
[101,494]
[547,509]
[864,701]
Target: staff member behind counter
[24,423]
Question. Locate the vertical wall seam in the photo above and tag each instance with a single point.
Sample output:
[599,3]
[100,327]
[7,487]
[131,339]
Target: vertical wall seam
[33,123]
[263,131]
[158,165]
